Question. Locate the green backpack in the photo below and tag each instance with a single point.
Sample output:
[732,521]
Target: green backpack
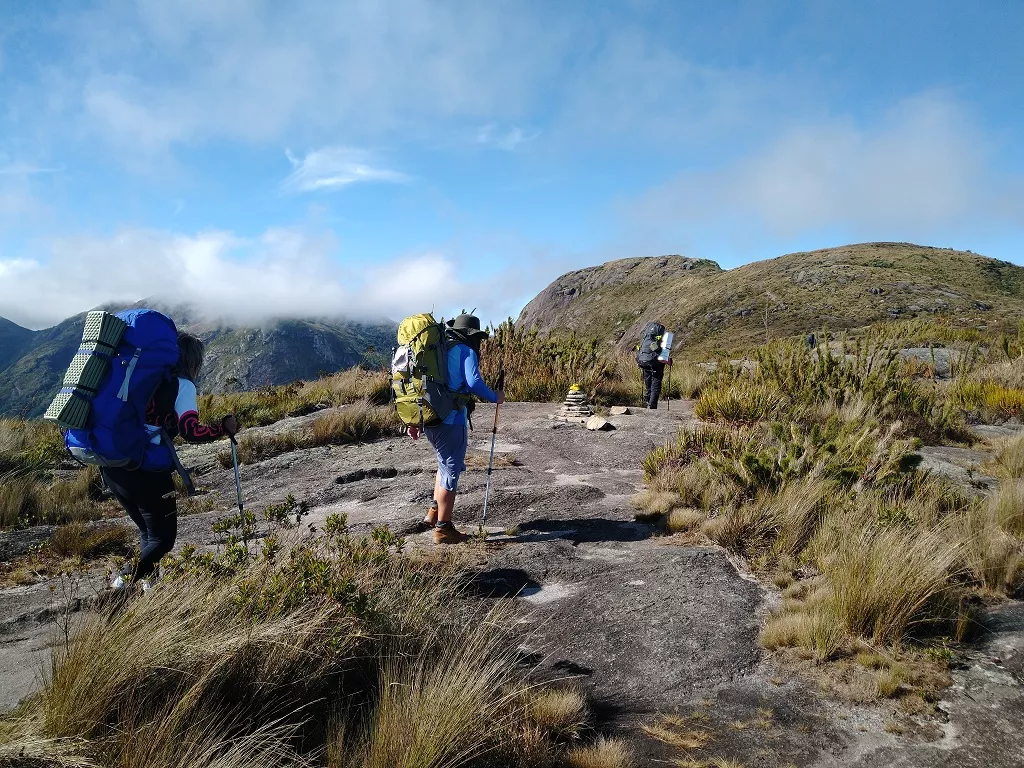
[419,372]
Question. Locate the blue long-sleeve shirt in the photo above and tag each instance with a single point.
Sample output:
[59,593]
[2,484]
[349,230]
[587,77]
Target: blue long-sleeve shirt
[464,377]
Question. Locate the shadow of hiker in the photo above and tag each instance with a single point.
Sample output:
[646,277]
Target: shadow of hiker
[595,529]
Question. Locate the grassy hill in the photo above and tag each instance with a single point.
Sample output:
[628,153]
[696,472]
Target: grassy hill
[713,309]
[238,358]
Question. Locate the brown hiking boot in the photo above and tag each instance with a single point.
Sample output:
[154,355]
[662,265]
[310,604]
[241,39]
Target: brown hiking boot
[449,534]
[428,522]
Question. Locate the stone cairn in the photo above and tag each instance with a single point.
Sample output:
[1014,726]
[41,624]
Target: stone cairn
[576,406]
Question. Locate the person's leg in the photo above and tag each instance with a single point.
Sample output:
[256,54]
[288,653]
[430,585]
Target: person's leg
[152,493]
[656,376]
[161,515]
[449,441]
[647,385]
[119,481]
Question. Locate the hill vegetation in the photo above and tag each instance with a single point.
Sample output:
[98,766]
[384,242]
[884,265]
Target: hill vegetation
[712,310]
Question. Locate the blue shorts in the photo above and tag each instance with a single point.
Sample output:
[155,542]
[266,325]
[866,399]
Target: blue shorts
[449,442]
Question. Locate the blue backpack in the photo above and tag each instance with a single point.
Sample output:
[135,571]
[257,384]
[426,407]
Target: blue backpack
[108,388]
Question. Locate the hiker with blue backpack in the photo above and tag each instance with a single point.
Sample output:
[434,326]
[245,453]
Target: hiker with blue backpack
[435,373]
[130,390]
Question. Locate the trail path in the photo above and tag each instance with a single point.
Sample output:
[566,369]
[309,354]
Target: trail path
[649,627]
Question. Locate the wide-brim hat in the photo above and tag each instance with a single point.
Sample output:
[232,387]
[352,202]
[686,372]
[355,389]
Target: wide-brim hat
[468,326]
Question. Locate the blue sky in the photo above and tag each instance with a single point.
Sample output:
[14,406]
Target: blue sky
[376,158]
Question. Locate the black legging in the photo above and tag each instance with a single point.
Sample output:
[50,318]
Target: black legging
[653,375]
[142,496]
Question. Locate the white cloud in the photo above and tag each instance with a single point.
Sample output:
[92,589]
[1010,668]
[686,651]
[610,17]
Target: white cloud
[281,273]
[336,167]
[923,169]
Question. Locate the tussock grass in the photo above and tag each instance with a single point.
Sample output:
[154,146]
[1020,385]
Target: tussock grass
[269,404]
[653,504]
[604,753]
[344,653]
[28,446]
[1009,458]
[30,499]
[992,554]
[561,712]
[885,581]
[88,542]
[356,423]
[684,519]
[739,403]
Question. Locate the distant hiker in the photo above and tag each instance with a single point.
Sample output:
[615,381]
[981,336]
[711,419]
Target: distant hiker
[650,362]
[435,372]
[148,495]
[812,341]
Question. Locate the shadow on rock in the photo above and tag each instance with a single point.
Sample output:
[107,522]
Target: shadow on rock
[585,530]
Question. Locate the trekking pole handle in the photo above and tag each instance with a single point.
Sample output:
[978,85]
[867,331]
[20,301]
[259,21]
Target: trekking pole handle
[501,380]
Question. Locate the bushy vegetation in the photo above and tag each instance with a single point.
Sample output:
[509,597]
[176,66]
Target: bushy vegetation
[808,468]
[338,652]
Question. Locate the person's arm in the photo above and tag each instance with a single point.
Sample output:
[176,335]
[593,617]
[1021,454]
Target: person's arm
[190,428]
[475,382]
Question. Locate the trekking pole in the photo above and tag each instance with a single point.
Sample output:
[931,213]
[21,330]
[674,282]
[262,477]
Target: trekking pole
[668,398]
[238,480]
[490,462]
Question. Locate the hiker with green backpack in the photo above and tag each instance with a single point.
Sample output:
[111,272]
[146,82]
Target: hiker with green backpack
[435,373]
[130,390]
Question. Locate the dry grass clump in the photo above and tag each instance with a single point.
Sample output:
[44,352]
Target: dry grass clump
[356,423]
[991,551]
[29,445]
[87,542]
[1009,458]
[561,712]
[270,404]
[651,504]
[678,732]
[684,519]
[886,580]
[31,499]
[603,753]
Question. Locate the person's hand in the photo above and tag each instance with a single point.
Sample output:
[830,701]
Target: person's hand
[230,425]
[414,433]
[501,397]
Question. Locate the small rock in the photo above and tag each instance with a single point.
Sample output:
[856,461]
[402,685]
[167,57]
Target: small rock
[618,410]
[598,423]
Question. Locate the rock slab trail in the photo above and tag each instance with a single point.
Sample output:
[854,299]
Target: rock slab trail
[646,626]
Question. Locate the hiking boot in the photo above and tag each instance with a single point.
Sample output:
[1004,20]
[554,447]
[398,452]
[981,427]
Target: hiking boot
[448,534]
[428,522]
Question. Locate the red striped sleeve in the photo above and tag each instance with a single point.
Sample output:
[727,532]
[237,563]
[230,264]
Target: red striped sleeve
[193,431]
